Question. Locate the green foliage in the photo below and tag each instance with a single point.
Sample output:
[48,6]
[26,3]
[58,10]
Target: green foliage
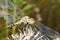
[28,6]
[17,2]
[24,4]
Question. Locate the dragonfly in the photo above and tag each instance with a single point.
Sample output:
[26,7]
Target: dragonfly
[28,28]
[40,32]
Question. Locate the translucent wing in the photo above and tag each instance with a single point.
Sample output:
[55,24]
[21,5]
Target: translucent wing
[50,33]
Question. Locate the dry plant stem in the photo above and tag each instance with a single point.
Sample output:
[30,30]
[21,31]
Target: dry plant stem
[28,34]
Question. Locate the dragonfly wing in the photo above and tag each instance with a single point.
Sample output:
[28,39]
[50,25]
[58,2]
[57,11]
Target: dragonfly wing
[49,32]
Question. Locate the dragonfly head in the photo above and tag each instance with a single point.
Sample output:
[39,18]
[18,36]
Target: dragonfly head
[27,20]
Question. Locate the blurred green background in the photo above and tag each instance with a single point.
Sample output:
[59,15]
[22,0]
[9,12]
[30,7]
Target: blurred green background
[45,11]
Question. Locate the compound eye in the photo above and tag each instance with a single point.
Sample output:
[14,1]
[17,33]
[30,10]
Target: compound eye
[27,23]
